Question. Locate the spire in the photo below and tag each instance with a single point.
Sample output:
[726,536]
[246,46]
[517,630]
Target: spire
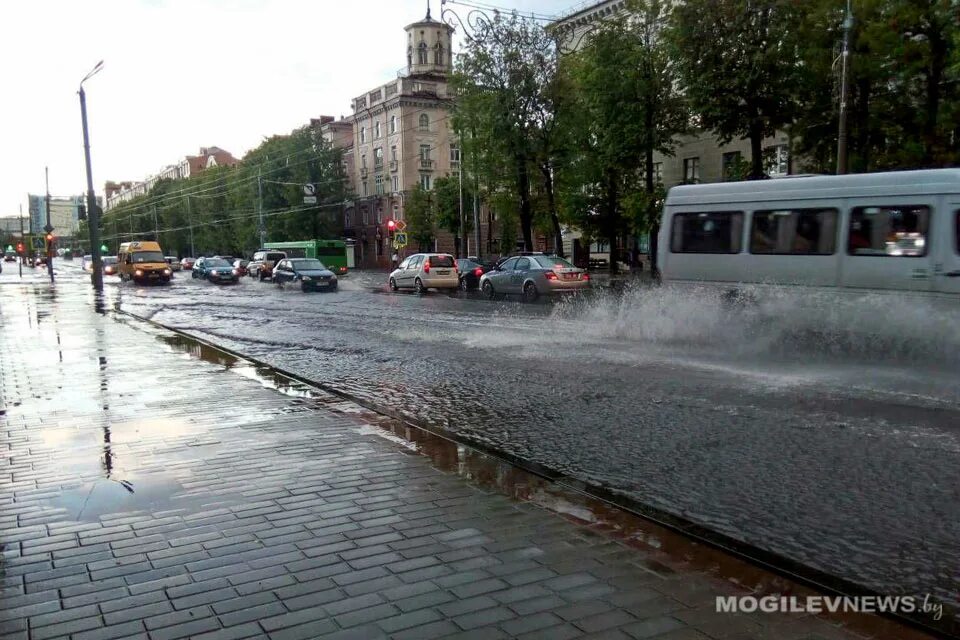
[428,18]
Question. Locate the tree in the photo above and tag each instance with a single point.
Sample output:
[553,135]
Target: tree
[420,218]
[501,83]
[447,200]
[740,61]
[627,101]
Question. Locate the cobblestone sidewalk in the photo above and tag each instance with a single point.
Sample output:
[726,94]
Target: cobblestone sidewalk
[147,492]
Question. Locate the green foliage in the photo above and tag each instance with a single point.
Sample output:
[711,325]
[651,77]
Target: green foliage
[420,218]
[740,61]
[217,212]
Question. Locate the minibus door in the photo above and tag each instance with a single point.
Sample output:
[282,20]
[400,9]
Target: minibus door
[947,267]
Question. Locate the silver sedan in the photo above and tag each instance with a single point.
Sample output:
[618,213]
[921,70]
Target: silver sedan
[533,276]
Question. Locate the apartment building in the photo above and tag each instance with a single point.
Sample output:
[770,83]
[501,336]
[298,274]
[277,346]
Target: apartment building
[117,192]
[398,136]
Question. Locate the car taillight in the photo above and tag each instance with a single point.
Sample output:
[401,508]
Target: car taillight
[426,266]
[550,275]
[478,272]
[586,276]
[343,269]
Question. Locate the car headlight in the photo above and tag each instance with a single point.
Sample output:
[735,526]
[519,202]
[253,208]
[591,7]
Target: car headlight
[167,272]
[138,272]
[306,278]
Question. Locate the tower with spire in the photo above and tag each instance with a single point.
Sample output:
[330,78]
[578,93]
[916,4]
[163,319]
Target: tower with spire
[429,47]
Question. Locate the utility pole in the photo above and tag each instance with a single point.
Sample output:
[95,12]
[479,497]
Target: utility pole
[48,227]
[93,214]
[260,225]
[156,229]
[476,216]
[844,93]
[463,230]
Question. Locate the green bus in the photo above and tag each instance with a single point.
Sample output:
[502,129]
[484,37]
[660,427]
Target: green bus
[332,253]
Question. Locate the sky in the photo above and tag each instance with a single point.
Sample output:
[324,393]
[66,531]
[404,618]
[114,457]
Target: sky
[183,74]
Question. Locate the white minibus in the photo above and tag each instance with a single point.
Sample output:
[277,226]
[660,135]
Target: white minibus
[875,232]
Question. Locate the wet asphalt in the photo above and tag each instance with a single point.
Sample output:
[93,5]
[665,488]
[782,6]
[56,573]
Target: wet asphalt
[824,430]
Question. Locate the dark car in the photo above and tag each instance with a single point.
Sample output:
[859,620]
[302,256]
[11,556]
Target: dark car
[470,270]
[309,273]
[215,270]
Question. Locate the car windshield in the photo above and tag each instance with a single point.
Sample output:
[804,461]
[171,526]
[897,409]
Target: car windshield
[109,260]
[307,265]
[441,261]
[552,262]
[275,257]
[216,263]
[147,256]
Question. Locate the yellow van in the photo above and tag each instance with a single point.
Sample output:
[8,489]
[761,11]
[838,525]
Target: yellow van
[143,262]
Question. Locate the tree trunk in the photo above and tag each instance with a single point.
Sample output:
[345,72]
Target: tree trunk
[551,205]
[526,214]
[862,127]
[938,61]
[653,216]
[610,205]
[756,151]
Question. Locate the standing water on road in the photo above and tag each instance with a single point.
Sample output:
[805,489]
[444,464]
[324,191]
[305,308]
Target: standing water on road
[821,428]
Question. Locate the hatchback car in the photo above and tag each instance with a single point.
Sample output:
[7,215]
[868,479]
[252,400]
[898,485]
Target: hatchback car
[533,276]
[423,271]
[187,264]
[173,262]
[261,267]
[241,266]
[309,273]
[215,270]
[110,266]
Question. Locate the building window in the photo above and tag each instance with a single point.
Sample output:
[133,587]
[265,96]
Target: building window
[396,211]
[691,170]
[376,129]
[363,161]
[438,55]
[776,160]
[713,232]
[424,152]
[658,172]
[393,153]
[422,53]
[378,182]
[347,219]
[364,192]
[363,134]
[424,122]
[378,158]
[396,183]
[425,181]
[366,212]
[797,231]
[393,124]
[731,166]
[379,214]
[455,157]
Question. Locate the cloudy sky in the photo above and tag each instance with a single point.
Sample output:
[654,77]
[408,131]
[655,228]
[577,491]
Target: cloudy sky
[181,74]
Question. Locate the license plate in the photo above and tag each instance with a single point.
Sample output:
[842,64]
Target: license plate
[444,272]
[154,276]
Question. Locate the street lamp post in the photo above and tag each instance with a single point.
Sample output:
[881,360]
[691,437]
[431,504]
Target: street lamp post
[844,94]
[48,228]
[93,214]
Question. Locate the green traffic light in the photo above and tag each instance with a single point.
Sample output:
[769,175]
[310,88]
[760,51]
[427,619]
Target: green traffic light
[104,248]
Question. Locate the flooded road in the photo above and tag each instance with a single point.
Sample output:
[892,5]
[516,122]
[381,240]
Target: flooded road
[826,432]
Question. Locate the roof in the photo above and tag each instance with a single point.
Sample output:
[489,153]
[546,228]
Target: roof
[926,181]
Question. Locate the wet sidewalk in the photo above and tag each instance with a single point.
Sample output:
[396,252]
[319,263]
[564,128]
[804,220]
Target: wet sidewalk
[153,487]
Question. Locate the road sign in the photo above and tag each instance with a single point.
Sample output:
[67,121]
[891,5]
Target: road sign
[309,194]
[39,242]
[400,225]
[309,199]
[400,240]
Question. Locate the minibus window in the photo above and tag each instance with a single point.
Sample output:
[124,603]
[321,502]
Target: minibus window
[956,230]
[897,231]
[708,232]
[794,232]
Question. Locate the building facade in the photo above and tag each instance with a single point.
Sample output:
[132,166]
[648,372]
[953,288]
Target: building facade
[64,215]
[398,136]
[117,192]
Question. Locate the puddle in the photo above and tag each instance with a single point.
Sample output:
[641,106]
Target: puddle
[91,500]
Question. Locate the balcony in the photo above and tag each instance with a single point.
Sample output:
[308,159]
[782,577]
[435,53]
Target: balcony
[426,164]
[378,166]
[393,166]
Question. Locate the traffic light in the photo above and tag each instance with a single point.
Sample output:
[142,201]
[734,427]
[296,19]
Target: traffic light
[49,239]
[391,225]
[20,248]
